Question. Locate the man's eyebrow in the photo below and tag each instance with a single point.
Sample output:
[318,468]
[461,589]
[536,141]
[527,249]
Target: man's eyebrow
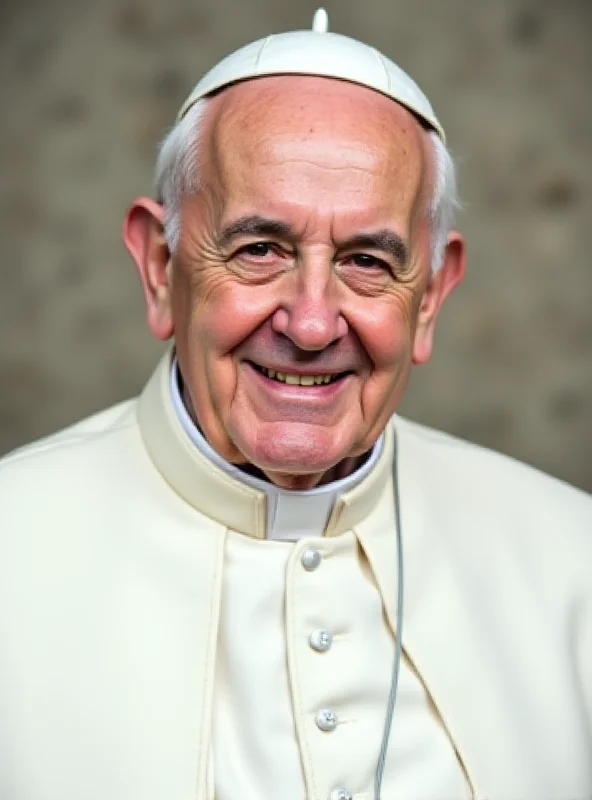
[386,240]
[253,225]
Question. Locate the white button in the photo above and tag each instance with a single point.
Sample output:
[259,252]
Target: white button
[326,720]
[311,558]
[320,640]
[341,794]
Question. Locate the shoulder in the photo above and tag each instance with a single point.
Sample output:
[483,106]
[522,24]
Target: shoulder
[502,524]
[477,473]
[494,507]
[71,448]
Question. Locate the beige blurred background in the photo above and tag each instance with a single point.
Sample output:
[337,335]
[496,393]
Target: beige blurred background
[88,87]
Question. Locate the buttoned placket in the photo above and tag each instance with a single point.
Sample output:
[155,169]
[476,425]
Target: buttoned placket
[320,642]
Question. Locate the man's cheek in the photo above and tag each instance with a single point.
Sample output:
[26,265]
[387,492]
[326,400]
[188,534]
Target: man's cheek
[389,344]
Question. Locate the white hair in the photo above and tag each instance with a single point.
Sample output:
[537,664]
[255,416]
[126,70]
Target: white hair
[445,200]
[177,174]
[177,169]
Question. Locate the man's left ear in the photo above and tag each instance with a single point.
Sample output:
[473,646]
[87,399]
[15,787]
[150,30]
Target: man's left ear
[450,274]
[143,235]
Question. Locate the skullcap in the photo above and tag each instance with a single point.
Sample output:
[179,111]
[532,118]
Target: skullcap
[317,52]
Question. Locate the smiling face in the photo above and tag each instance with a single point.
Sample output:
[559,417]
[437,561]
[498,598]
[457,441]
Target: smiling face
[300,293]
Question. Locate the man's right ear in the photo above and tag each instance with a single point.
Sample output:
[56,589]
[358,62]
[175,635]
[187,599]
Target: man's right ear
[143,235]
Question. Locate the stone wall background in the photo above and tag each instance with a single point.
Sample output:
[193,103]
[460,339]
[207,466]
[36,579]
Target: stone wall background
[88,88]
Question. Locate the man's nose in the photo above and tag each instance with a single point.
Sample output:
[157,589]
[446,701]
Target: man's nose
[310,315]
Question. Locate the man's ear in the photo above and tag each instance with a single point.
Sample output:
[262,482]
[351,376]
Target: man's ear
[143,235]
[440,286]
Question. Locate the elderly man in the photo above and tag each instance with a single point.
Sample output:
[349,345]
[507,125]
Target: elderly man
[254,581]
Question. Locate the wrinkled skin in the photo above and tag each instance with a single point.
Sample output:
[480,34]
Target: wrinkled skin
[326,162]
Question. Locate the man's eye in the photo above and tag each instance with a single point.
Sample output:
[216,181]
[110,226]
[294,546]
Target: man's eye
[257,249]
[367,262]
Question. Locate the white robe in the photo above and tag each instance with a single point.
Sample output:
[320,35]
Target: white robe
[262,671]
[115,537]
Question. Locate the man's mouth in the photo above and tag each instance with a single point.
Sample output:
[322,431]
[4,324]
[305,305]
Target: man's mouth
[294,379]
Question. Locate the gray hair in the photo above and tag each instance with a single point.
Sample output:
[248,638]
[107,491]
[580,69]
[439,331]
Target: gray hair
[177,174]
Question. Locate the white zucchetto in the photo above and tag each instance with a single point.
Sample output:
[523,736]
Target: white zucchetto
[317,52]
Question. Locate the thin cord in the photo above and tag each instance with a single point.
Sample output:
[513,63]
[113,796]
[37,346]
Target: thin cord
[390,709]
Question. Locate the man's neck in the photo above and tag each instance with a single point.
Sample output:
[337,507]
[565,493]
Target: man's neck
[302,483]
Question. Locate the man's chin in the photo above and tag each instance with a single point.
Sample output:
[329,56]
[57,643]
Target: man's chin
[296,456]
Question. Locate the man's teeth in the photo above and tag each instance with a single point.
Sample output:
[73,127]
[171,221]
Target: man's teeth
[296,380]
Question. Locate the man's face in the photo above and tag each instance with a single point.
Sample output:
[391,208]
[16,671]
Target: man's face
[302,265]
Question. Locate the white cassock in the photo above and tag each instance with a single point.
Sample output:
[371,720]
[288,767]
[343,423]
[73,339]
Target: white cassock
[173,629]
[338,658]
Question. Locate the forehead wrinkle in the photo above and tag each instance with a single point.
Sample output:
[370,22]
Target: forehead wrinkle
[319,165]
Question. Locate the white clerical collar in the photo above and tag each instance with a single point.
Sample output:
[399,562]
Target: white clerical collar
[291,514]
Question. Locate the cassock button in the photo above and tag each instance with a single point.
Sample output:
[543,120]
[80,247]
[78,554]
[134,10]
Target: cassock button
[311,558]
[320,640]
[341,794]
[326,720]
